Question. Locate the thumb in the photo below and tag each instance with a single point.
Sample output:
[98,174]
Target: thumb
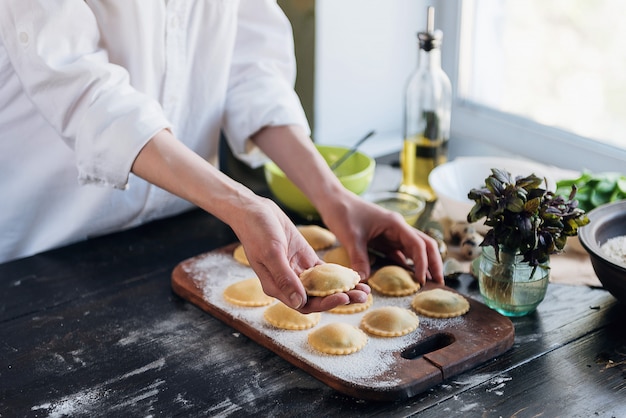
[280,281]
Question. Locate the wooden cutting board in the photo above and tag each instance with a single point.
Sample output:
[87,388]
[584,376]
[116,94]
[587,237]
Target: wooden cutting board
[386,368]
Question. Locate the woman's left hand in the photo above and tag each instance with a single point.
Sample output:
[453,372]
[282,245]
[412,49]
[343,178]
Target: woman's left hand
[360,225]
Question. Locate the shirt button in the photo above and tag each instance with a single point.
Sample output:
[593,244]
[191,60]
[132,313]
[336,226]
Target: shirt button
[24,38]
[174,22]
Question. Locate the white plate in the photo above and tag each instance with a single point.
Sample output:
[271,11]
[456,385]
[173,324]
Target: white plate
[453,181]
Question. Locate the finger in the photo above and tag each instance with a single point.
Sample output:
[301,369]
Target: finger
[435,264]
[432,263]
[320,304]
[359,294]
[363,288]
[280,281]
[419,256]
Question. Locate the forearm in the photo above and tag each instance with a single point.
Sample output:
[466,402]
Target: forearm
[169,164]
[294,152]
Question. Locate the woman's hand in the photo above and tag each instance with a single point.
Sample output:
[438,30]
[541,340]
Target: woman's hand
[278,253]
[360,225]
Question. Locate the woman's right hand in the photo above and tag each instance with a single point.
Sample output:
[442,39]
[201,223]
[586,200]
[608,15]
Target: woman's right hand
[278,253]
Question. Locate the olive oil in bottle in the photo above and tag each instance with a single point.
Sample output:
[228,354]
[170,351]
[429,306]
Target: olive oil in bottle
[418,158]
[427,116]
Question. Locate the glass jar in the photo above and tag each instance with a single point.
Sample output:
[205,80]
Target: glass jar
[409,206]
[511,286]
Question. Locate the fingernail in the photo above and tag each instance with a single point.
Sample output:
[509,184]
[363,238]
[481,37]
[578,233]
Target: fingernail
[296,300]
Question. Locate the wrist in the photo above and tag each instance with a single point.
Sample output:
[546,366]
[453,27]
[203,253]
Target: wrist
[338,205]
[232,205]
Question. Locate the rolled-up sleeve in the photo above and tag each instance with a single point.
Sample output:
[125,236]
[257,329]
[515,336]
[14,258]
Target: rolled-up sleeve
[260,91]
[54,49]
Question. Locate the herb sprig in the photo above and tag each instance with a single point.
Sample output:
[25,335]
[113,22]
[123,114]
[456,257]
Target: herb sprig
[595,189]
[524,217]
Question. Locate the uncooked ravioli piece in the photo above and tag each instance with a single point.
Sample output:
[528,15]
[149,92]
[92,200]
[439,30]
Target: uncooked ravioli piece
[389,321]
[247,292]
[239,255]
[329,278]
[338,255]
[282,316]
[393,281]
[353,307]
[318,238]
[440,303]
[337,338]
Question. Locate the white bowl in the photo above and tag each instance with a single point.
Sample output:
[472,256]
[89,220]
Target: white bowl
[453,181]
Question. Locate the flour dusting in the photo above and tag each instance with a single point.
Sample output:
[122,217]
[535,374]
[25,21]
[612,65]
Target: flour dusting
[373,365]
[91,401]
[71,405]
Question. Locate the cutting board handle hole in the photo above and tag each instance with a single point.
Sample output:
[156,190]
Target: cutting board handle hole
[428,345]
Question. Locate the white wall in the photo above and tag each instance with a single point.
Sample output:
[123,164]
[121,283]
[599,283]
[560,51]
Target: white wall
[365,52]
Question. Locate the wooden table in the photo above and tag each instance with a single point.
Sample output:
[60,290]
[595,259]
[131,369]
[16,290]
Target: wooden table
[93,329]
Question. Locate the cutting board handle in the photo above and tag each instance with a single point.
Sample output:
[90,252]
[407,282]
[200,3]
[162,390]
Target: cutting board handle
[428,345]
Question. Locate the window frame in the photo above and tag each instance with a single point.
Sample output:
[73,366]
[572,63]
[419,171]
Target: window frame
[475,126]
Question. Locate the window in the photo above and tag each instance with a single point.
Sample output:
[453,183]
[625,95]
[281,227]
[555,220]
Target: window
[543,79]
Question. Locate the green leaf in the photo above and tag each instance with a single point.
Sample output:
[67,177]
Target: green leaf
[599,197]
[532,205]
[596,189]
[525,217]
[529,182]
[605,185]
[515,205]
[494,185]
[501,175]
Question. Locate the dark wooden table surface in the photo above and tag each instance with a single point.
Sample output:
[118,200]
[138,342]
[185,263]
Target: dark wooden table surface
[93,329]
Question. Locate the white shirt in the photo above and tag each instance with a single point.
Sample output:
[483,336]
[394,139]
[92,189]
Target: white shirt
[84,85]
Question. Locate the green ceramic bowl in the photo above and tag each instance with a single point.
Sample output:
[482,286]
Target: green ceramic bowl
[355,174]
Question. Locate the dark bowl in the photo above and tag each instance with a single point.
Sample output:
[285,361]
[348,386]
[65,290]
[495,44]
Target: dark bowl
[606,221]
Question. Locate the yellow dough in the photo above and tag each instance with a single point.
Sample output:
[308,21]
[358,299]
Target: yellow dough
[338,339]
[338,255]
[327,279]
[247,292]
[390,321]
[353,307]
[393,281]
[319,238]
[240,255]
[440,303]
[282,316]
